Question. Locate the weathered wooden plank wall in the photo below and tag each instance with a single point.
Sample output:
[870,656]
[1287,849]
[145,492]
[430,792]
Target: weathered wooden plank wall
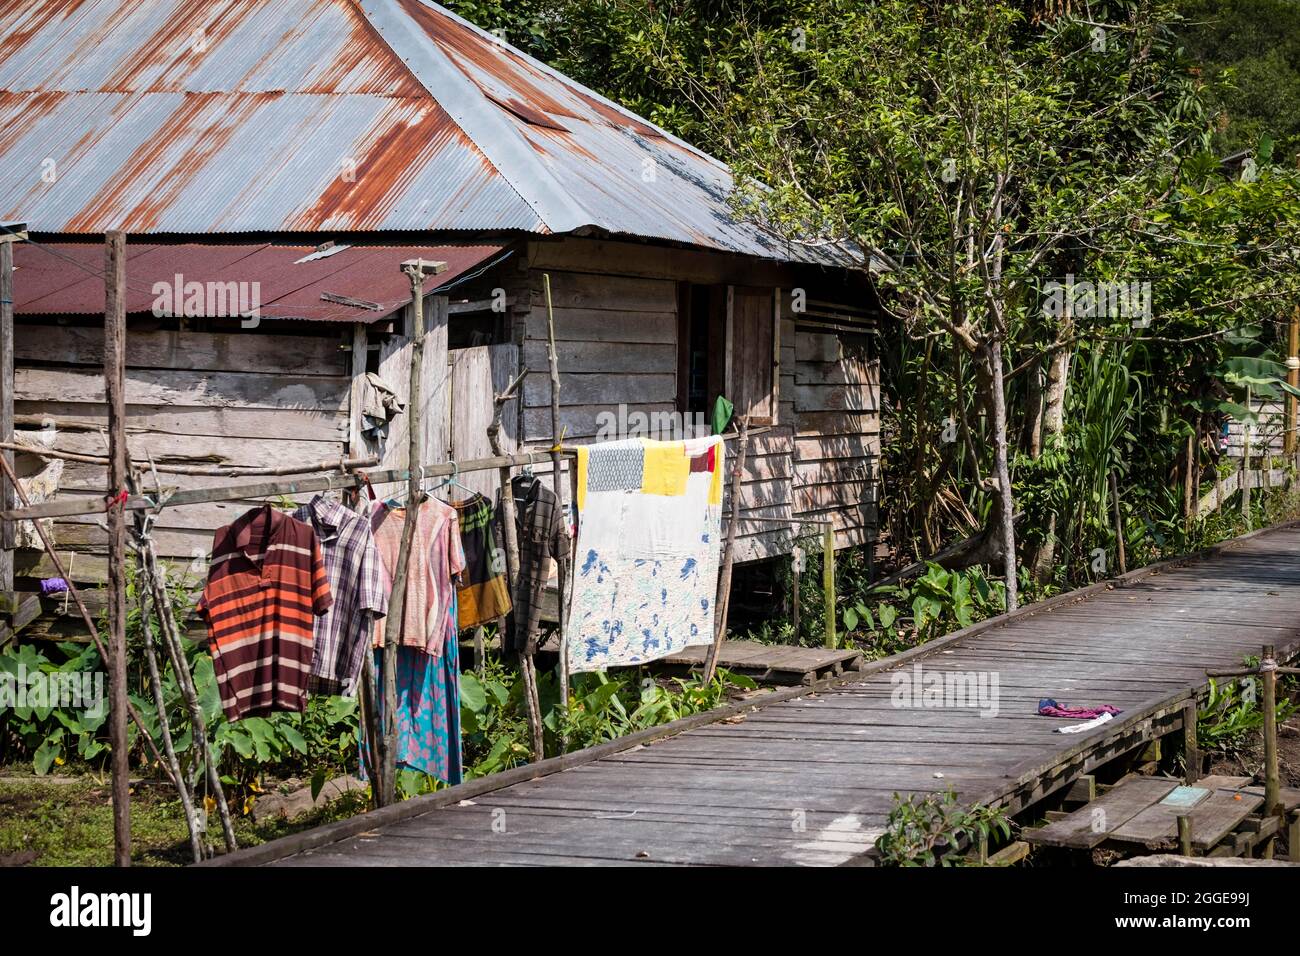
[478,374]
[250,398]
[837,446]
[616,339]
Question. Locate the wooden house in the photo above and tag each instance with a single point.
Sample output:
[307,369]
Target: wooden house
[296,154]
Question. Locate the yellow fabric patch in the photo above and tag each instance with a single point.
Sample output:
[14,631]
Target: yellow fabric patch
[666,469]
[583,454]
[715,484]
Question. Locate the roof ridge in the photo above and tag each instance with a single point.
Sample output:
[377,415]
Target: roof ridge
[573,84]
[512,157]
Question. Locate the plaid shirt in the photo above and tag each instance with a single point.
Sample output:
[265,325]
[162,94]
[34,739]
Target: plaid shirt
[360,595]
[539,520]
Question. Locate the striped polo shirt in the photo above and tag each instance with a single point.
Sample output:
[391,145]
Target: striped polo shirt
[265,586]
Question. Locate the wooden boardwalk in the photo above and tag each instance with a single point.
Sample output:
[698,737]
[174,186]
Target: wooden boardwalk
[809,776]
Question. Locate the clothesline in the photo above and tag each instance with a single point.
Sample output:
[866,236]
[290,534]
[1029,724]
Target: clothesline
[323,482]
[327,481]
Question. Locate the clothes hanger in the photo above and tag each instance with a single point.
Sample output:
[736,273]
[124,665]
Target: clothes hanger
[453,479]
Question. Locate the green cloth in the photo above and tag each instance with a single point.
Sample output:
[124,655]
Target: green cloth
[722,411]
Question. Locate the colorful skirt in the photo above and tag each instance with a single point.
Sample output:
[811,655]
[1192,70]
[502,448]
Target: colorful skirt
[428,708]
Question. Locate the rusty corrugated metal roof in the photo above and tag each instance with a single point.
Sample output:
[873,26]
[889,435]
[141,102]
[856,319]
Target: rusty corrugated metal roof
[66,278]
[225,116]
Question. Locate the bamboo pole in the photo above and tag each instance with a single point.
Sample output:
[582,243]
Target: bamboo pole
[164,724]
[722,600]
[1293,379]
[1121,554]
[796,559]
[828,583]
[67,507]
[180,667]
[114,388]
[1244,481]
[346,464]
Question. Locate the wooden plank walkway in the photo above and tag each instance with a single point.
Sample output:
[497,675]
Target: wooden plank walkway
[809,776]
[766,663]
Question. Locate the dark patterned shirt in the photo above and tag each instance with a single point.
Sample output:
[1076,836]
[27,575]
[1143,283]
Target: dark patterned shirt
[356,580]
[266,586]
[539,521]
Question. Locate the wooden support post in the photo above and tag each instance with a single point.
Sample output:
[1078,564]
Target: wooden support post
[1272,781]
[557,480]
[394,620]
[114,390]
[828,582]
[1191,747]
[1184,834]
[511,534]
[6,405]
[1189,484]
[1121,554]
[722,599]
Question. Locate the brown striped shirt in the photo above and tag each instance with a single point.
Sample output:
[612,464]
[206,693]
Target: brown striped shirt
[265,586]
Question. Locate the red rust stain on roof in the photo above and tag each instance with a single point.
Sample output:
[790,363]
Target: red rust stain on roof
[25,110]
[151,161]
[390,158]
[169,49]
[36,17]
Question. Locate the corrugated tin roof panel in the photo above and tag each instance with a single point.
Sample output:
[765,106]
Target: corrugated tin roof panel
[223,116]
[66,278]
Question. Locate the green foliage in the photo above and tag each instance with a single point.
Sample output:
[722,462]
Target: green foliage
[926,830]
[601,707]
[1233,713]
[45,732]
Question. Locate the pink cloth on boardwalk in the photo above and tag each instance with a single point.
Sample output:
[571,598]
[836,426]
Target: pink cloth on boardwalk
[1050,708]
[436,559]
